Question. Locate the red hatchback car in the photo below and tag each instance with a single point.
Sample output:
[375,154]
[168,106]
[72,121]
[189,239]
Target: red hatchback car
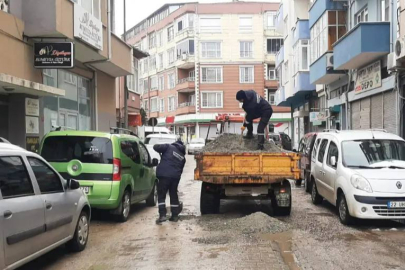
[305,150]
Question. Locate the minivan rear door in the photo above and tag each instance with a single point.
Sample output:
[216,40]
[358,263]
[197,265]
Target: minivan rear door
[88,159]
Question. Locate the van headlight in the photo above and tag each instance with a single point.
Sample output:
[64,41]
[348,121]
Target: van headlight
[361,183]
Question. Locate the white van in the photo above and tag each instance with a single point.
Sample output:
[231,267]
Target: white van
[361,172]
[144,131]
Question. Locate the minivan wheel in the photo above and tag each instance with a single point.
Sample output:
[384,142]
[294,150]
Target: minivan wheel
[79,240]
[125,207]
[316,198]
[307,184]
[344,215]
[153,196]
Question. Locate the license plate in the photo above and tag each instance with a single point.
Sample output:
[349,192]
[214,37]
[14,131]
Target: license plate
[85,189]
[396,204]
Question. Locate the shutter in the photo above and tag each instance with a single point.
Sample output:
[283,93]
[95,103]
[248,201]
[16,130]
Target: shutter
[365,113]
[355,112]
[390,112]
[377,111]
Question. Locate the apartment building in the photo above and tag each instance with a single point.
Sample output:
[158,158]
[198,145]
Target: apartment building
[352,60]
[200,55]
[58,66]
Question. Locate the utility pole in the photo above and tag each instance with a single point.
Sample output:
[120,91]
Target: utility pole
[125,78]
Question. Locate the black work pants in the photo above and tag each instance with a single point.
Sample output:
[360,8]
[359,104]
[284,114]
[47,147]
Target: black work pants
[264,121]
[164,185]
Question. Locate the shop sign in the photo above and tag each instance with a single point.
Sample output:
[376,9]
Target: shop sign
[32,106]
[31,125]
[368,78]
[53,55]
[135,120]
[32,144]
[88,28]
[318,116]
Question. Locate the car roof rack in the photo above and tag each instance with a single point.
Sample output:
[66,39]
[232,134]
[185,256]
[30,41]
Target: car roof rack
[331,130]
[117,130]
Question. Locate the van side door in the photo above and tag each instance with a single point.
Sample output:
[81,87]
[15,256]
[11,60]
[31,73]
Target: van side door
[319,167]
[131,163]
[22,211]
[331,171]
[148,181]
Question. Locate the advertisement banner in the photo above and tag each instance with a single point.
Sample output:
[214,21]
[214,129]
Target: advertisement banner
[32,106]
[318,116]
[368,78]
[53,55]
[88,28]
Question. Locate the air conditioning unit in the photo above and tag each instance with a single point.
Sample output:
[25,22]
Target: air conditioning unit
[184,56]
[329,61]
[399,49]
[393,63]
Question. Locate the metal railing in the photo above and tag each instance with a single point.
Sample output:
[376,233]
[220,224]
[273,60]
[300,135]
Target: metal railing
[186,104]
[188,79]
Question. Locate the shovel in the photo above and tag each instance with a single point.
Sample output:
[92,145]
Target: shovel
[241,135]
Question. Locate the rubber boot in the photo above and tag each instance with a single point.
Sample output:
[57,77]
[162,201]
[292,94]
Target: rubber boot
[174,218]
[261,142]
[248,136]
[161,219]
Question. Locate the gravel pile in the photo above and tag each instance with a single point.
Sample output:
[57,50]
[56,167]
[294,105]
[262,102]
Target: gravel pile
[232,143]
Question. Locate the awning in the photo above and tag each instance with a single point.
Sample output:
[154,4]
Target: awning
[14,85]
[299,99]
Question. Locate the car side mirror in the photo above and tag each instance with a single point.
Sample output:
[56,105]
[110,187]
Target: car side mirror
[155,162]
[73,184]
[333,161]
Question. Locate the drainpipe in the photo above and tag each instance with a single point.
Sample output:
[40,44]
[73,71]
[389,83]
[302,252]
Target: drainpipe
[348,124]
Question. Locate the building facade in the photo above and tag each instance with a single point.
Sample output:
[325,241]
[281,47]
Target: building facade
[200,55]
[33,101]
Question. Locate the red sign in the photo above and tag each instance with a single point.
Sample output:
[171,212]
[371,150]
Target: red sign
[134,120]
[169,119]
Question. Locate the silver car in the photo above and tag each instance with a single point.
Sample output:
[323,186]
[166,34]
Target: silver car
[39,210]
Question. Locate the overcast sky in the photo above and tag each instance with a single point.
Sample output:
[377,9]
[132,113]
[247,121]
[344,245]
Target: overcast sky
[137,10]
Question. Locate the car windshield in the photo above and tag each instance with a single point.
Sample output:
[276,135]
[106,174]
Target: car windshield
[197,141]
[153,141]
[374,153]
[83,148]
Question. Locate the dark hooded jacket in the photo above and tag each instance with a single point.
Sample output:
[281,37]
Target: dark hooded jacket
[172,160]
[254,106]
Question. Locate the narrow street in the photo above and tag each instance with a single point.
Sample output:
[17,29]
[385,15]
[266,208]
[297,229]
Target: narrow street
[311,238]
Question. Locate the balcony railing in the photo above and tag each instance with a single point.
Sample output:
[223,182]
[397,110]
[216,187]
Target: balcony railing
[186,104]
[189,79]
[184,56]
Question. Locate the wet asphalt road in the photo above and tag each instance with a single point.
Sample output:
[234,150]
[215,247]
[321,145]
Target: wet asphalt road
[314,240]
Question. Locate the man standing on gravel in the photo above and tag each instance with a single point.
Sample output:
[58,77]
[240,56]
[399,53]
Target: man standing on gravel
[255,107]
[169,173]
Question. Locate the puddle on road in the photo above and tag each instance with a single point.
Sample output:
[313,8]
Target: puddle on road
[284,242]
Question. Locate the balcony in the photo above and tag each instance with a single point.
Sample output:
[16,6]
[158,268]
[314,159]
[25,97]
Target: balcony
[186,108]
[301,31]
[270,58]
[280,95]
[320,72]
[280,57]
[280,20]
[363,44]
[186,85]
[271,84]
[302,82]
[185,33]
[185,61]
[319,7]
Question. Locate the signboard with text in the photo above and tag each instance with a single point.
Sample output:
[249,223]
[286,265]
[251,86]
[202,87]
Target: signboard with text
[317,117]
[88,28]
[368,78]
[53,55]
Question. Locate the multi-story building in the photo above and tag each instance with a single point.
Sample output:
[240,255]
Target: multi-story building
[351,43]
[200,55]
[292,64]
[33,100]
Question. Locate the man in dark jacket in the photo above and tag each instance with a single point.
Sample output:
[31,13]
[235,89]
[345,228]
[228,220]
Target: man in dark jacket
[255,107]
[169,173]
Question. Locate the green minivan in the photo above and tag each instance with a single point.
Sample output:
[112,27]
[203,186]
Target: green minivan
[114,170]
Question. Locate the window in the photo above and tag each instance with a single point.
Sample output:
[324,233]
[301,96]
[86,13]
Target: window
[385,10]
[154,104]
[171,81]
[246,74]
[274,45]
[211,99]
[132,80]
[145,65]
[272,98]
[161,83]
[285,72]
[314,151]
[152,40]
[211,49]
[211,74]
[271,20]
[146,105]
[145,86]
[171,102]
[130,149]
[50,77]
[48,180]
[170,54]
[170,33]
[271,73]
[154,83]
[92,6]
[210,25]
[246,49]
[301,56]
[191,75]
[362,16]
[185,48]
[14,180]
[145,155]
[286,30]
[179,26]
[159,39]
[322,150]
[332,152]
[161,105]
[161,61]
[152,62]
[245,24]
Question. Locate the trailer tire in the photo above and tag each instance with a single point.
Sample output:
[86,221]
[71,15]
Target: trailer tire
[209,201]
[282,211]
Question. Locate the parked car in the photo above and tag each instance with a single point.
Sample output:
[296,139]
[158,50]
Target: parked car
[195,145]
[153,139]
[361,173]
[39,209]
[282,140]
[305,150]
[2,140]
[115,170]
